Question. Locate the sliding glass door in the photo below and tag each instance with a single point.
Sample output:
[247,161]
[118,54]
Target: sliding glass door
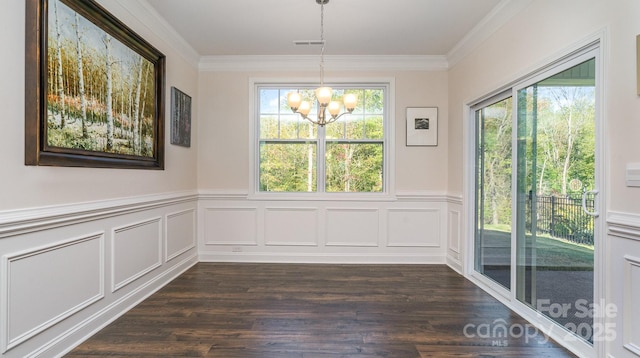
[555,170]
[535,197]
[493,189]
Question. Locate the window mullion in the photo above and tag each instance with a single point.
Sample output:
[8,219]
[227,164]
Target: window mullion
[284,141]
[321,160]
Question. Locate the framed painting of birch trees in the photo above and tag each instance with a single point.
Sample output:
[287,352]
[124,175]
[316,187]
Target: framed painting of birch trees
[94,89]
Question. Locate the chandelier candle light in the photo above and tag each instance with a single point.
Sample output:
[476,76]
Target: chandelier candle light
[323,94]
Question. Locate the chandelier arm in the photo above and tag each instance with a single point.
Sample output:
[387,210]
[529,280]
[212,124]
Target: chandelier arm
[340,115]
[322,120]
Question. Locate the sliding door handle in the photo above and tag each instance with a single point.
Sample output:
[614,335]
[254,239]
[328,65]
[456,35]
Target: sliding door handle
[593,213]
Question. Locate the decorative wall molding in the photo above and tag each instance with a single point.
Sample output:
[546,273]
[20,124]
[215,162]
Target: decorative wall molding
[22,221]
[418,196]
[136,249]
[631,296]
[301,226]
[624,225]
[180,228]
[223,194]
[289,63]
[146,14]
[155,222]
[454,232]
[53,292]
[71,259]
[221,226]
[413,227]
[86,328]
[410,228]
[352,226]
[499,16]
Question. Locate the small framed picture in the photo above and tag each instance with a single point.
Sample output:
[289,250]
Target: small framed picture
[422,126]
[180,118]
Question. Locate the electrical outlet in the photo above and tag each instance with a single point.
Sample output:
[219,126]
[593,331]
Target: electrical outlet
[236,249]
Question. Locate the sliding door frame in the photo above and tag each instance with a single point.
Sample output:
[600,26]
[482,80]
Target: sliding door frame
[499,289]
[589,49]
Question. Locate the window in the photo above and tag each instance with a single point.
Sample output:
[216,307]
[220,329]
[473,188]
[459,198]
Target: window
[347,156]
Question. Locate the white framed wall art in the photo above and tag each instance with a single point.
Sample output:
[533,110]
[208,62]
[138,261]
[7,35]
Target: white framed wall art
[422,126]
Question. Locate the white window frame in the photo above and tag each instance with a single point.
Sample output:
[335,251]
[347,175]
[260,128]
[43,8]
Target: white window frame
[388,166]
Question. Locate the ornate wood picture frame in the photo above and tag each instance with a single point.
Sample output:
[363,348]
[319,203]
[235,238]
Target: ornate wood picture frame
[94,89]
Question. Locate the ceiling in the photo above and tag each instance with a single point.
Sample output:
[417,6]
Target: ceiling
[351,27]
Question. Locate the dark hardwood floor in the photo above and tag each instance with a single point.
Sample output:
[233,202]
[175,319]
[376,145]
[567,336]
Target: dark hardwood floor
[316,311]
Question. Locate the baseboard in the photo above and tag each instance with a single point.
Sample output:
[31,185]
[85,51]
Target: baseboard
[322,259]
[65,343]
[158,230]
[30,228]
[455,264]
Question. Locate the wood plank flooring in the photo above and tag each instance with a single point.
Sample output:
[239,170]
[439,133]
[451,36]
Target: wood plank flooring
[315,311]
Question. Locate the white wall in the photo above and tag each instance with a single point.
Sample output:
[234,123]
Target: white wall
[64,215]
[80,246]
[31,186]
[531,39]
[223,162]
[541,33]
[235,227]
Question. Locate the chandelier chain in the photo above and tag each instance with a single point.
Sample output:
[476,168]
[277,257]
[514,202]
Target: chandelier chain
[322,41]
[323,94]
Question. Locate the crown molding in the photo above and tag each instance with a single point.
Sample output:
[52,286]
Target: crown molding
[333,63]
[500,15]
[152,20]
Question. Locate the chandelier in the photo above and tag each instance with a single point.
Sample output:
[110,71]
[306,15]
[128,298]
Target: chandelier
[323,93]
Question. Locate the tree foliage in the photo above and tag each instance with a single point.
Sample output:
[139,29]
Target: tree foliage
[353,146]
[559,131]
[100,94]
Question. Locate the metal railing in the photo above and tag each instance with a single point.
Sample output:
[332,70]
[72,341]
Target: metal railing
[563,217]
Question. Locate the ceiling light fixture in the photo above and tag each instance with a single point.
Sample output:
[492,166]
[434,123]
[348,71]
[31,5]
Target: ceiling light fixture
[323,94]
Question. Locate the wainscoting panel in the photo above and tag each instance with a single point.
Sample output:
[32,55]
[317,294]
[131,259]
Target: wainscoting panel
[623,278]
[231,226]
[291,226]
[631,308]
[181,233]
[352,227]
[408,227]
[49,284]
[454,232]
[136,250]
[67,271]
[454,238]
